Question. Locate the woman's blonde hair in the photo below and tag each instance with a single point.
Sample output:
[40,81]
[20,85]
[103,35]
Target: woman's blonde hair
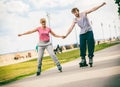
[42,20]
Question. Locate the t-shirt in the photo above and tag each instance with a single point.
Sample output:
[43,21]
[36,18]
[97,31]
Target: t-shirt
[83,23]
[44,34]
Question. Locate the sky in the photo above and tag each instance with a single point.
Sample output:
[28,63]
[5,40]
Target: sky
[18,16]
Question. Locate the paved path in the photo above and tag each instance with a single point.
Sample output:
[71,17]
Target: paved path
[104,73]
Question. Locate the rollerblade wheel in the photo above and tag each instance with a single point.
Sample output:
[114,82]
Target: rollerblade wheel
[60,70]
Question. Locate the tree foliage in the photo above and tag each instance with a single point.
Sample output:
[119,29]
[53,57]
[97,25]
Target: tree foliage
[118,3]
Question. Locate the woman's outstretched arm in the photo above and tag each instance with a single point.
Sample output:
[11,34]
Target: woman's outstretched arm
[55,35]
[28,32]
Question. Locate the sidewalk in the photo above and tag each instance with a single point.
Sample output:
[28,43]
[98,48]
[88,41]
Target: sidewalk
[106,66]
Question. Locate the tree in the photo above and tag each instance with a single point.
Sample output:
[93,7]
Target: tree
[118,2]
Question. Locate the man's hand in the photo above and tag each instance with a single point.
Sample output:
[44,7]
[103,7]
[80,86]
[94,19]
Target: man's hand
[19,35]
[104,3]
[63,37]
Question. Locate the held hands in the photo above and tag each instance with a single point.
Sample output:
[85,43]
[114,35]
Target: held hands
[19,35]
[63,37]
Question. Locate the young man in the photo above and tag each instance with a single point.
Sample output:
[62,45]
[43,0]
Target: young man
[44,43]
[86,34]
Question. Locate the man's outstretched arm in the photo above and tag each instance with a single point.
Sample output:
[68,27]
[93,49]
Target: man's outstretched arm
[95,8]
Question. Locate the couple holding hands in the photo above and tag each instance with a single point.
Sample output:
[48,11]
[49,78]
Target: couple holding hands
[86,38]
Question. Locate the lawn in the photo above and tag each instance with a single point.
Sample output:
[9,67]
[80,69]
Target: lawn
[14,72]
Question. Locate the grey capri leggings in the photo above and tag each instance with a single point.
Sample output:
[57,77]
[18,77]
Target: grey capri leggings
[49,47]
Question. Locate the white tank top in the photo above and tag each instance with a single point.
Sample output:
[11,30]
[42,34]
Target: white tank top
[83,23]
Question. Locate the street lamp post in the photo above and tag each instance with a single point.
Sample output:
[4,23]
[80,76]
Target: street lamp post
[110,33]
[115,31]
[103,32]
[119,30]
[76,36]
[48,17]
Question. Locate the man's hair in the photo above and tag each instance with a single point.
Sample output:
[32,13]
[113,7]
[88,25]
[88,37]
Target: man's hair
[74,9]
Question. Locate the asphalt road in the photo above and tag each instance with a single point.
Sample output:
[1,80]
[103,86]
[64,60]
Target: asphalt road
[104,73]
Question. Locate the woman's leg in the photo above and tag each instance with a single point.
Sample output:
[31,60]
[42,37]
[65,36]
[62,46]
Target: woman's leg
[53,56]
[40,56]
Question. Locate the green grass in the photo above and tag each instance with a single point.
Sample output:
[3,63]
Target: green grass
[14,72]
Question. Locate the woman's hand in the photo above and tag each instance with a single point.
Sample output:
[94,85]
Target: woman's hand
[63,37]
[19,35]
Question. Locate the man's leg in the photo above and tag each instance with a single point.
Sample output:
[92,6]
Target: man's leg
[83,50]
[91,46]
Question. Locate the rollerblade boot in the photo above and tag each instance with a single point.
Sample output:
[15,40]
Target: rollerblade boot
[39,71]
[83,63]
[91,62]
[59,67]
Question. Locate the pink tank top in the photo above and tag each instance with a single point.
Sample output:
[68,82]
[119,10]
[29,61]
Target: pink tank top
[44,33]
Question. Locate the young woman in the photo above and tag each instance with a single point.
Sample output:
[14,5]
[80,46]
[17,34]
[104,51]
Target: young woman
[86,34]
[44,43]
